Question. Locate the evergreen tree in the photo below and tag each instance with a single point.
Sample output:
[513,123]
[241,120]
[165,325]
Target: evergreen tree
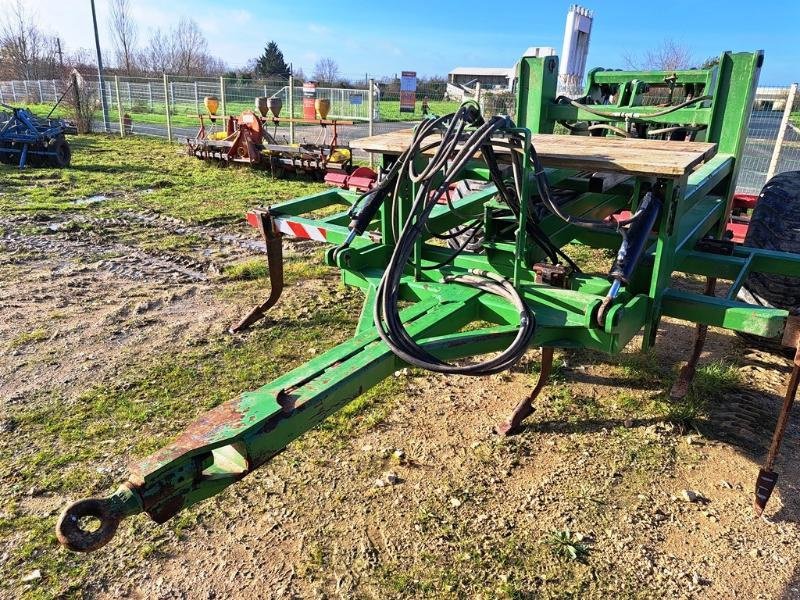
[271,63]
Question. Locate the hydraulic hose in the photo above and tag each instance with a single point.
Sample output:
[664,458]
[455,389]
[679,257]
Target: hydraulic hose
[450,160]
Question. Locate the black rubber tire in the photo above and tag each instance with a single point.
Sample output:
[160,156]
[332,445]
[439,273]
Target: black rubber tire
[63,153]
[775,225]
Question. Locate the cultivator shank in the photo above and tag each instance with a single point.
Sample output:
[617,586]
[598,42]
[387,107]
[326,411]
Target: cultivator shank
[662,203]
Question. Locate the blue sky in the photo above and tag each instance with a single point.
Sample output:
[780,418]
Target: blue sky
[383,38]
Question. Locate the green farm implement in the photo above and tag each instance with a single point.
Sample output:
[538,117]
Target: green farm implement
[649,171]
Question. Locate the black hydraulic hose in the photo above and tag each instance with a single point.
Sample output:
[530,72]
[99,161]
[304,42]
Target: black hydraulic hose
[545,193]
[386,314]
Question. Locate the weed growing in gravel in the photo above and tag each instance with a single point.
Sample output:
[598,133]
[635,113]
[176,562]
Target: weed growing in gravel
[568,545]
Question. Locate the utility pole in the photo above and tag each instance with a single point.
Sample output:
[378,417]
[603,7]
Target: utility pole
[60,54]
[100,81]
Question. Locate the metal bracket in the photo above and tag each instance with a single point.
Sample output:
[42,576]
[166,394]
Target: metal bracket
[553,275]
[272,239]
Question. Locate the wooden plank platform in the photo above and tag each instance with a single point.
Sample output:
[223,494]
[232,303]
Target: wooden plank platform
[621,155]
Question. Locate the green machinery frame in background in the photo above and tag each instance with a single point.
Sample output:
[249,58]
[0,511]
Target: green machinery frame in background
[573,310]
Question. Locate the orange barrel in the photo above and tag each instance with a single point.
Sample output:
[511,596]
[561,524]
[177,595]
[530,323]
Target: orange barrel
[309,95]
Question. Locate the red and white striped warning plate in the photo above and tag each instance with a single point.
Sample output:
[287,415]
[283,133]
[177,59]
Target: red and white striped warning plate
[299,230]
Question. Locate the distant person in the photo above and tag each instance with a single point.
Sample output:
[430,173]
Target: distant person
[425,108]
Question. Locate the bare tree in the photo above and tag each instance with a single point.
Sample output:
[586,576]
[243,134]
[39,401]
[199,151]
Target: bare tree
[190,47]
[669,56]
[179,50]
[25,51]
[123,32]
[159,56]
[326,70]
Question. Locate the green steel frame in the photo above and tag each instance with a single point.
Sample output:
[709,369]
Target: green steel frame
[238,436]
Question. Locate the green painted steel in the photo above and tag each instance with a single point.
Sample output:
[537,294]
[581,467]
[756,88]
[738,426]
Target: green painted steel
[230,441]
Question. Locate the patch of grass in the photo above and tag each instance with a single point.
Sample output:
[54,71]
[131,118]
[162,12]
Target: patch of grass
[364,412]
[145,173]
[590,260]
[566,545]
[255,268]
[715,378]
[711,381]
[561,400]
[304,269]
[390,109]
[28,337]
[641,367]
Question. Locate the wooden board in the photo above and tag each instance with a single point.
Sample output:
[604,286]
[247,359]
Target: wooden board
[621,155]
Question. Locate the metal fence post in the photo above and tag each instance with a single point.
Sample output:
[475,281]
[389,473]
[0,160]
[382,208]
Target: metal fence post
[130,98]
[55,92]
[265,90]
[776,152]
[222,95]
[41,96]
[13,91]
[172,96]
[371,110]
[150,96]
[291,108]
[166,104]
[119,107]
[1,94]
[196,98]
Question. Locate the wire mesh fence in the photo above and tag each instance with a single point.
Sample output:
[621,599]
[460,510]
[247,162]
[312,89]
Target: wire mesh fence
[169,107]
[773,138]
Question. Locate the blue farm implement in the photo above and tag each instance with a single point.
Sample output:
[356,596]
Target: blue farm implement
[26,139]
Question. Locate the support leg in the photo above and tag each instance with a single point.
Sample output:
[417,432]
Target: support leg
[525,408]
[681,386]
[275,264]
[767,478]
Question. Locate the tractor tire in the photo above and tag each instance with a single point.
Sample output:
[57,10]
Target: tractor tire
[775,225]
[63,152]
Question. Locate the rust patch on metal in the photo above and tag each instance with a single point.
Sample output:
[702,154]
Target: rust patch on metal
[72,535]
[198,435]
